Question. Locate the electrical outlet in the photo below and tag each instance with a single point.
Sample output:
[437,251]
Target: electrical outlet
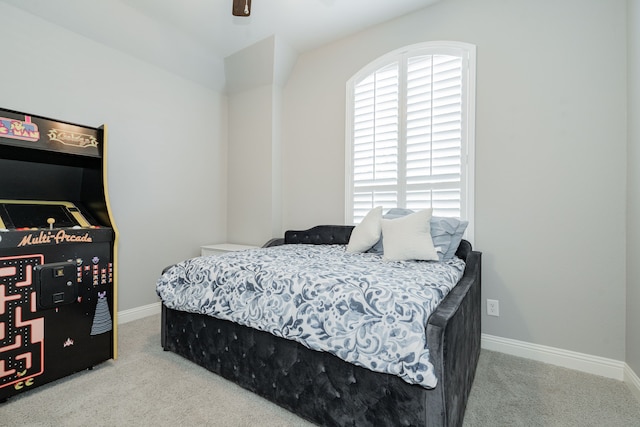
[493,307]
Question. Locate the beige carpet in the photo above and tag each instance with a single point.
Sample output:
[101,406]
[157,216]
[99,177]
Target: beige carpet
[147,386]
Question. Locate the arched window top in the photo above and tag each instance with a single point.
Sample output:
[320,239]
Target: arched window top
[454,48]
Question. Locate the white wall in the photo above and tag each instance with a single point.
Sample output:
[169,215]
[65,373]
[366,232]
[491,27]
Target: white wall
[251,143]
[633,206]
[255,77]
[166,147]
[250,196]
[550,156]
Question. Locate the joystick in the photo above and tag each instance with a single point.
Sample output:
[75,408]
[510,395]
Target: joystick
[51,221]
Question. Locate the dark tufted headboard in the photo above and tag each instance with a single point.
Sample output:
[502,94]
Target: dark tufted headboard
[337,235]
[320,235]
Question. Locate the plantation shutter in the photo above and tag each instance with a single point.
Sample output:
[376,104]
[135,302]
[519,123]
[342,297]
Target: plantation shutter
[434,133]
[407,136]
[375,140]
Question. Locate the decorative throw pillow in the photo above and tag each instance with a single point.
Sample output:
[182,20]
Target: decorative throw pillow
[456,238]
[409,238]
[392,213]
[446,233]
[367,233]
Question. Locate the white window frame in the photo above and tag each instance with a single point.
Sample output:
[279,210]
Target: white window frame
[468,54]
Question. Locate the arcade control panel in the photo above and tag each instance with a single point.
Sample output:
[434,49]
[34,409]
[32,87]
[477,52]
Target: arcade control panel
[36,214]
[56,293]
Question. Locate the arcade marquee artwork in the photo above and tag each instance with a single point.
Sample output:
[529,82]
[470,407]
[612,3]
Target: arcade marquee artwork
[58,250]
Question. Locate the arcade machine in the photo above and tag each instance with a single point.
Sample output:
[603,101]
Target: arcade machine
[57,252]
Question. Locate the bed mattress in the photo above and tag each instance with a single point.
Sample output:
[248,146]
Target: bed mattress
[357,307]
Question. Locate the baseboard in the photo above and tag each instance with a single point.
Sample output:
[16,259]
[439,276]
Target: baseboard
[132,314]
[632,380]
[596,365]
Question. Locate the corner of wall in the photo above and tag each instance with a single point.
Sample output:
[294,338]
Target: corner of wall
[632,343]
[632,380]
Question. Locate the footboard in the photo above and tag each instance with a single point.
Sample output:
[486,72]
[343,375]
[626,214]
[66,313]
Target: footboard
[323,388]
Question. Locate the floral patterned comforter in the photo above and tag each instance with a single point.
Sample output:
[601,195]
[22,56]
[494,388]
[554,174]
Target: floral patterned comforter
[364,310]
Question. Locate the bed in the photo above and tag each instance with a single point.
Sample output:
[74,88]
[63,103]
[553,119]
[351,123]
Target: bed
[325,389]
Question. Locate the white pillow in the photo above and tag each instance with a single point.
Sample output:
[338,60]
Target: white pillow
[409,238]
[367,233]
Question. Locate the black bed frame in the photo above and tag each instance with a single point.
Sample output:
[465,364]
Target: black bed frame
[326,390]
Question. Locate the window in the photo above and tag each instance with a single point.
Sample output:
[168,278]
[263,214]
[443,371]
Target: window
[410,132]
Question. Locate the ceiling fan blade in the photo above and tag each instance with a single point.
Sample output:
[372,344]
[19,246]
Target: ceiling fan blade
[241,8]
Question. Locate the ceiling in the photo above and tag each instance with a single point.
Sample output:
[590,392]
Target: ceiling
[204,31]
